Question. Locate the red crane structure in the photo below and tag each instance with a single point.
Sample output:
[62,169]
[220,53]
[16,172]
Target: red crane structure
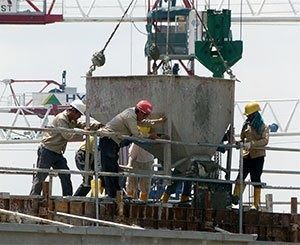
[29,12]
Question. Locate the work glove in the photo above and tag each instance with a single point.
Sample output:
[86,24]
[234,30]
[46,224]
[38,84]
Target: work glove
[247,146]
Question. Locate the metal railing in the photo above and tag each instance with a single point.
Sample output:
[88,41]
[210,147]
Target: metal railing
[96,173]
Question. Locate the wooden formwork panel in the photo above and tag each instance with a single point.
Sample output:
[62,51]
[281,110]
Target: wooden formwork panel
[268,226]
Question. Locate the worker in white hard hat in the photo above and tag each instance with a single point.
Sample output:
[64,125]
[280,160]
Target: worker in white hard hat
[125,123]
[53,146]
[255,133]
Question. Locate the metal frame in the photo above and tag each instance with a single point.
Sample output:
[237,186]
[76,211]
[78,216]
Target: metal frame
[22,107]
[33,12]
[273,107]
[44,11]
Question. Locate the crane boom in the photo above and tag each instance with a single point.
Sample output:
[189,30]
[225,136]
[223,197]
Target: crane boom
[51,11]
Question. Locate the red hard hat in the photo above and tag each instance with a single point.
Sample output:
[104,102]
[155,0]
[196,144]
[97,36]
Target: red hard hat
[144,106]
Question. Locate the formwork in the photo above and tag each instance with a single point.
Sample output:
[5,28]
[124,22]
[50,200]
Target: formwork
[163,222]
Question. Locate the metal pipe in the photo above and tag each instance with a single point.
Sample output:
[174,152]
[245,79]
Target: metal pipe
[241,193]
[234,19]
[56,129]
[17,214]
[98,221]
[96,177]
[143,140]
[273,171]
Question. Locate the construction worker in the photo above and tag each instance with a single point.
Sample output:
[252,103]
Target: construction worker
[125,123]
[53,145]
[140,159]
[84,188]
[172,188]
[255,133]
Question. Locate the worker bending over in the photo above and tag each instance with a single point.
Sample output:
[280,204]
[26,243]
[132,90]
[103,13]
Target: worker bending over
[53,146]
[125,123]
[255,133]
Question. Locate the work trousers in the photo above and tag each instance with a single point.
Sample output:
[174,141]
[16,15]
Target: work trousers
[47,159]
[187,185]
[133,184]
[83,189]
[109,163]
[254,166]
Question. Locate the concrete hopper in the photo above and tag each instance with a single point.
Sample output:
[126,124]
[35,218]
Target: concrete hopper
[198,109]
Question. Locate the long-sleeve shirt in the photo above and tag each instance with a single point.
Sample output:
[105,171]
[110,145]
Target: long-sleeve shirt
[125,123]
[57,142]
[248,134]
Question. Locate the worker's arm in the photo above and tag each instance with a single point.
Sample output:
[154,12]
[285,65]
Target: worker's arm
[131,124]
[151,122]
[70,136]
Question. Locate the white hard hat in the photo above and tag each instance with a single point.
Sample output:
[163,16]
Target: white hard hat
[79,106]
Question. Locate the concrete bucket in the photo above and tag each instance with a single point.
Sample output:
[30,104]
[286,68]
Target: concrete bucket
[198,109]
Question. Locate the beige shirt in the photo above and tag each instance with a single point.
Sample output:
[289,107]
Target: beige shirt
[125,123]
[250,135]
[57,142]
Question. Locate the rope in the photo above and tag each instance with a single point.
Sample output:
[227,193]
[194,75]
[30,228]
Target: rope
[98,58]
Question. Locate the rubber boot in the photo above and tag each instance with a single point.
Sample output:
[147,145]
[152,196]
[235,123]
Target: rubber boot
[144,196]
[101,186]
[130,194]
[164,198]
[236,193]
[256,204]
[184,198]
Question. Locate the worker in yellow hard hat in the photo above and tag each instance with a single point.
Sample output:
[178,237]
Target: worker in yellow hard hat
[83,189]
[141,160]
[255,133]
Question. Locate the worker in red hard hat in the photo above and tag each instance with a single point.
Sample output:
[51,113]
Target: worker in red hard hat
[125,123]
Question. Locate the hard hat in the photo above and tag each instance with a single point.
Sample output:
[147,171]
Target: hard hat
[144,130]
[251,107]
[144,106]
[79,106]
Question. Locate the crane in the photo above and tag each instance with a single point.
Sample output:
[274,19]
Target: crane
[51,11]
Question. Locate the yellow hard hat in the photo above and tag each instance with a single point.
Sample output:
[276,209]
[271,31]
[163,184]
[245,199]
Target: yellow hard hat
[145,131]
[251,107]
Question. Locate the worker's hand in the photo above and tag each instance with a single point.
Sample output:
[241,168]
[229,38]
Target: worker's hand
[100,125]
[162,119]
[153,136]
[247,146]
[238,144]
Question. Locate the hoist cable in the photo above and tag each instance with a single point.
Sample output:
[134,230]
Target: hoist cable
[98,58]
[117,26]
